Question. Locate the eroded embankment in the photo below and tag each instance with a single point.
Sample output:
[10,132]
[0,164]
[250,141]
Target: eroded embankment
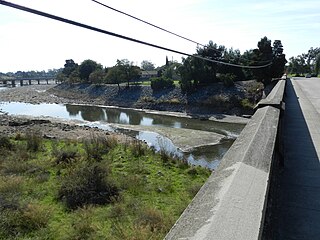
[185,139]
[213,99]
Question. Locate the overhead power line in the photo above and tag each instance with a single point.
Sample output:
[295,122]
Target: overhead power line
[47,15]
[153,25]
[163,29]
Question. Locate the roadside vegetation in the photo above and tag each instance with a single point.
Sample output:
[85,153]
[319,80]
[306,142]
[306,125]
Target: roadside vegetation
[93,189]
[305,64]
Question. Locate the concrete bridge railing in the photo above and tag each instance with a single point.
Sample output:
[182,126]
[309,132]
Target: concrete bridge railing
[232,204]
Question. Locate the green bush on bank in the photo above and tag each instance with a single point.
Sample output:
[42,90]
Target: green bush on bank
[59,191]
[227,79]
[160,83]
[87,183]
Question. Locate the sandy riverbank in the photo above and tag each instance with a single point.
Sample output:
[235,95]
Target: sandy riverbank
[54,128]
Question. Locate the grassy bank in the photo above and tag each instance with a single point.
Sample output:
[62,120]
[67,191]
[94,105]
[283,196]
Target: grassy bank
[94,189]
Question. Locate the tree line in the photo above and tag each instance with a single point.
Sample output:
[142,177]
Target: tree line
[89,71]
[51,73]
[305,63]
[197,72]
[191,73]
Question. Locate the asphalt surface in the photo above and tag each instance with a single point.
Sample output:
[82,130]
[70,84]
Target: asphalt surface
[298,196]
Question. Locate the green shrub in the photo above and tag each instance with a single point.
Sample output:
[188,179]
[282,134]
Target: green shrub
[64,155]
[82,227]
[217,100]
[152,218]
[10,191]
[117,211]
[97,146]
[192,171]
[14,165]
[246,104]
[34,141]
[17,222]
[15,218]
[194,189]
[5,143]
[161,83]
[87,184]
[137,148]
[227,79]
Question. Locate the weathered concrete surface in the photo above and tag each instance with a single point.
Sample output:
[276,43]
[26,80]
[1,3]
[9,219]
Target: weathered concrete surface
[297,206]
[275,97]
[231,203]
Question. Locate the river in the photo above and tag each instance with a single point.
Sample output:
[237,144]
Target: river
[158,131]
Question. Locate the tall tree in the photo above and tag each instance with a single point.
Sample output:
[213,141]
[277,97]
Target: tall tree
[69,67]
[279,60]
[264,54]
[147,65]
[234,57]
[97,76]
[115,76]
[195,71]
[214,52]
[87,67]
[298,65]
[128,70]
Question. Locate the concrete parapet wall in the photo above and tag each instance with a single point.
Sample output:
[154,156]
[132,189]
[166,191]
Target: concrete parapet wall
[275,97]
[232,203]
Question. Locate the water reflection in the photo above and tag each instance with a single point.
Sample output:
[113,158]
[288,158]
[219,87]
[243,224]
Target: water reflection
[205,156]
[100,117]
[134,117]
[91,115]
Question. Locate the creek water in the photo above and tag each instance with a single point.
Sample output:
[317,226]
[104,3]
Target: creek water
[108,118]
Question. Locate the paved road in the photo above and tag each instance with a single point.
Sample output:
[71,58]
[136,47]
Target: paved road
[311,89]
[298,201]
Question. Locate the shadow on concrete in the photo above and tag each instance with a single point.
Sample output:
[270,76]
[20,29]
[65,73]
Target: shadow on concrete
[296,200]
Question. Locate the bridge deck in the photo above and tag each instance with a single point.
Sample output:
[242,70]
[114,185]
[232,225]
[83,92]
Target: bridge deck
[297,205]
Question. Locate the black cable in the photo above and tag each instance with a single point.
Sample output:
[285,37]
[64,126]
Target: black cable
[160,28]
[47,15]
[153,25]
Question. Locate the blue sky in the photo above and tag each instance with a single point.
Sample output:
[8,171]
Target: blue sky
[29,42]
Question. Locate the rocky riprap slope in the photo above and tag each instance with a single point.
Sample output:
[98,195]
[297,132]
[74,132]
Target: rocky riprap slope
[206,100]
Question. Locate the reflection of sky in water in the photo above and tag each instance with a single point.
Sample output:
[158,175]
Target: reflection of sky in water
[124,118]
[43,109]
[208,156]
[111,115]
[105,115]
[145,121]
[177,125]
